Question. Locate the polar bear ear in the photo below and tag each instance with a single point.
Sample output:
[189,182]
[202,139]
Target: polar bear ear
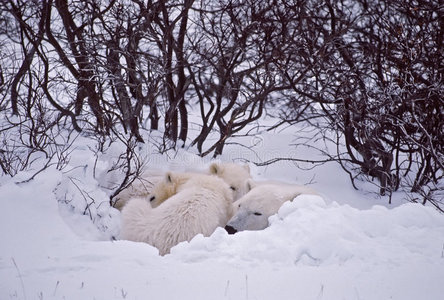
[214,168]
[247,167]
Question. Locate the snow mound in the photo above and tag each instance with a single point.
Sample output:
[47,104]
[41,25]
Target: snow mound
[312,249]
[307,231]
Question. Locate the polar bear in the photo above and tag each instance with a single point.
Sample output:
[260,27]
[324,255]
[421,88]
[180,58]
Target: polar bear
[198,206]
[173,182]
[262,201]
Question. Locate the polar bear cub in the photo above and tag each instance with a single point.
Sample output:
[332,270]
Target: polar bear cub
[198,206]
[262,201]
[170,186]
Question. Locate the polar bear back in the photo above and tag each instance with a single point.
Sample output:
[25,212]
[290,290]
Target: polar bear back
[199,207]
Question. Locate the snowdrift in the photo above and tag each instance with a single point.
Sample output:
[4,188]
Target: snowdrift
[312,250]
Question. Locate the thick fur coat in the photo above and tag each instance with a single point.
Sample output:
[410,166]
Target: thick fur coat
[199,205]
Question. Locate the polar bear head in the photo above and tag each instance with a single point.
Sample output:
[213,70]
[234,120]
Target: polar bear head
[253,211]
[264,200]
[168,187]
[236,176]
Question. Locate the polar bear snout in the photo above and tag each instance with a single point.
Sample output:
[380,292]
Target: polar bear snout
[230,229]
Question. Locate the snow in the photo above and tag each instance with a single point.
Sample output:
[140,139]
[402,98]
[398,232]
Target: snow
[344,245]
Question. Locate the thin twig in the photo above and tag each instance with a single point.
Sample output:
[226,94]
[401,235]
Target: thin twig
[274,160]
[20,277]
[47,165]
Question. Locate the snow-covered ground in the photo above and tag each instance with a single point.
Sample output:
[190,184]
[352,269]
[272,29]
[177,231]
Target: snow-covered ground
[346,245]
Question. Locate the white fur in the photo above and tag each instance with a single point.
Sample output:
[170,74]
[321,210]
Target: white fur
[236,176]
[169,187]
[200,205]
[264,200]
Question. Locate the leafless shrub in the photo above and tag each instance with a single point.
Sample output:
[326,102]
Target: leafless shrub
[367,73]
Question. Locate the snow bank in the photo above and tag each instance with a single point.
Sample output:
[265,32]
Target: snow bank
[307,231]
[56,236]
[312,250]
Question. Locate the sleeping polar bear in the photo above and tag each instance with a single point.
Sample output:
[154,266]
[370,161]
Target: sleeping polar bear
[262,201]
[198,206]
